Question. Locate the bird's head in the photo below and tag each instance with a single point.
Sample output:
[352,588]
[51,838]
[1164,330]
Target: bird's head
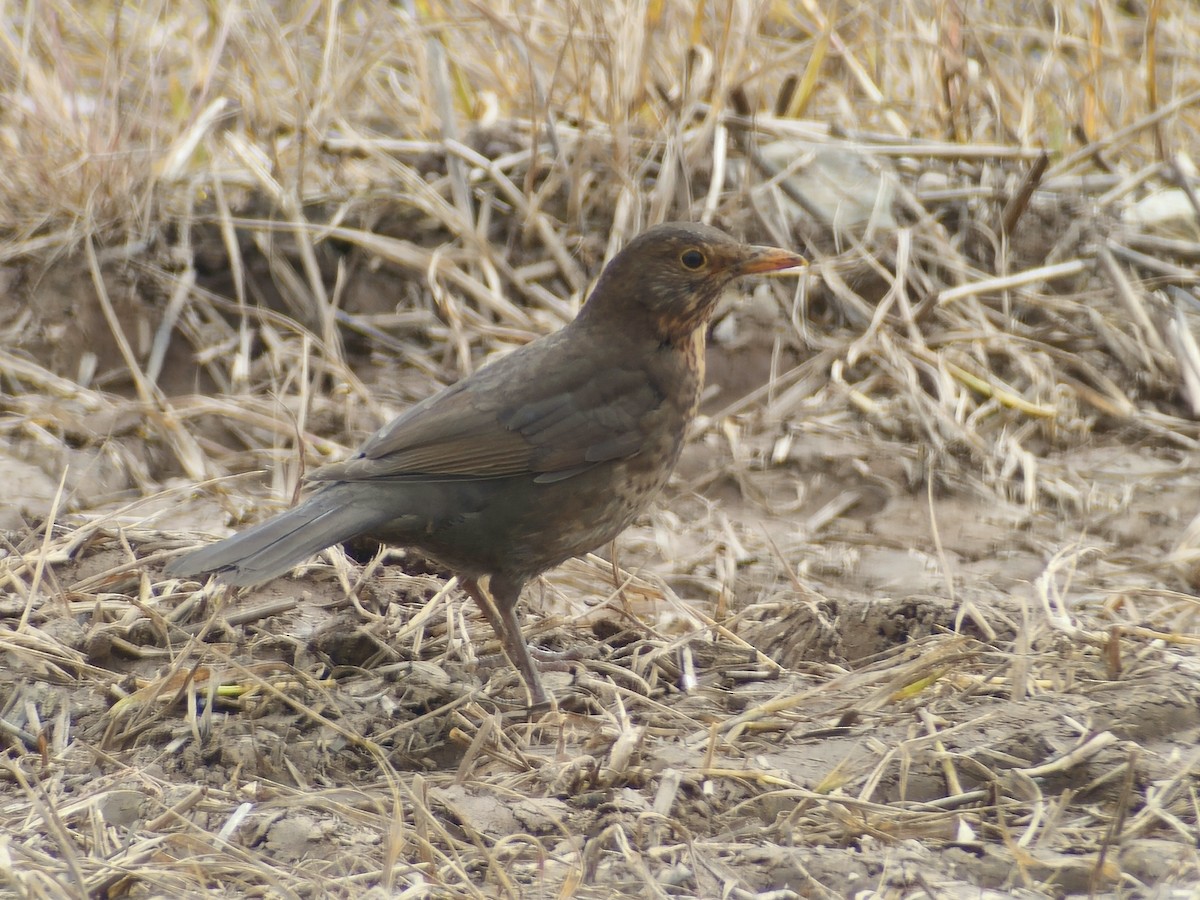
[670,277]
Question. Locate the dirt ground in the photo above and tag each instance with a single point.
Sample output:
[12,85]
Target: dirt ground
[916,617]
[826,667]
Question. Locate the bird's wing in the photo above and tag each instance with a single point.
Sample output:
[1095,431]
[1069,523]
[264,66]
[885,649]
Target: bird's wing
[511,419]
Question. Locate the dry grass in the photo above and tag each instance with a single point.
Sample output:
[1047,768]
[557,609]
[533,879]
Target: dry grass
[920,614]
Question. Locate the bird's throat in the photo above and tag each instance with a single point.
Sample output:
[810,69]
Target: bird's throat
[692,376]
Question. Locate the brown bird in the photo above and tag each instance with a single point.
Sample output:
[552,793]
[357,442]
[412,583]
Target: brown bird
[549,452]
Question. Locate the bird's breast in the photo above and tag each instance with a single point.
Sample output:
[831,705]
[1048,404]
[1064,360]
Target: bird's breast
[677,372]
[695,368]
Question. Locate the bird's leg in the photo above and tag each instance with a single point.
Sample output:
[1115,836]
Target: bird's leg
[500,609]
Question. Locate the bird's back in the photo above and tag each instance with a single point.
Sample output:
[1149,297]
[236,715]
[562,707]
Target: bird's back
[577,445]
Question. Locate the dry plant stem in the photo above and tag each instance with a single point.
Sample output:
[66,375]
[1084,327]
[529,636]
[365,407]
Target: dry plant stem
[298,154]
[1016,206]
[1187,352]
[545,230]
[1151,340]
[40,566]
[50,817]
[1181,179]
[1016,280]
[1112,836]
[1168,270]
[1148,121]
[186,451]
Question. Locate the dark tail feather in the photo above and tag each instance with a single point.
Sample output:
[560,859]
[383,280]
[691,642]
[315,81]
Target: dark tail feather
[273,547]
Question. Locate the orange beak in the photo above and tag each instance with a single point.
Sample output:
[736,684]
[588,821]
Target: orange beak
[768,259]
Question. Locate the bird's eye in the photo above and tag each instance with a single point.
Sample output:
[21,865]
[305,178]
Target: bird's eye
[692,259]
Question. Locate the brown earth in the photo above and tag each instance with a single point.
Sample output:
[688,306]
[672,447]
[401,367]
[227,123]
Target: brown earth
[839,665]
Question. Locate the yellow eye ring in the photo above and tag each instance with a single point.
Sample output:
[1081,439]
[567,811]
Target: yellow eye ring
[692,259]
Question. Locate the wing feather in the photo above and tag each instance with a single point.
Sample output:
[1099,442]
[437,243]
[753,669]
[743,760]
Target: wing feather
[508,419]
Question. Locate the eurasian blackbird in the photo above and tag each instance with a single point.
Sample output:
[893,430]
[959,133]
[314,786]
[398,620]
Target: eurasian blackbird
[549,452]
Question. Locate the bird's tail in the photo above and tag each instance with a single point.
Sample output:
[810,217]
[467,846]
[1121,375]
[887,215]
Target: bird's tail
[273,547]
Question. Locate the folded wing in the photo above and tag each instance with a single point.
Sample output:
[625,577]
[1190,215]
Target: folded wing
[504,421]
